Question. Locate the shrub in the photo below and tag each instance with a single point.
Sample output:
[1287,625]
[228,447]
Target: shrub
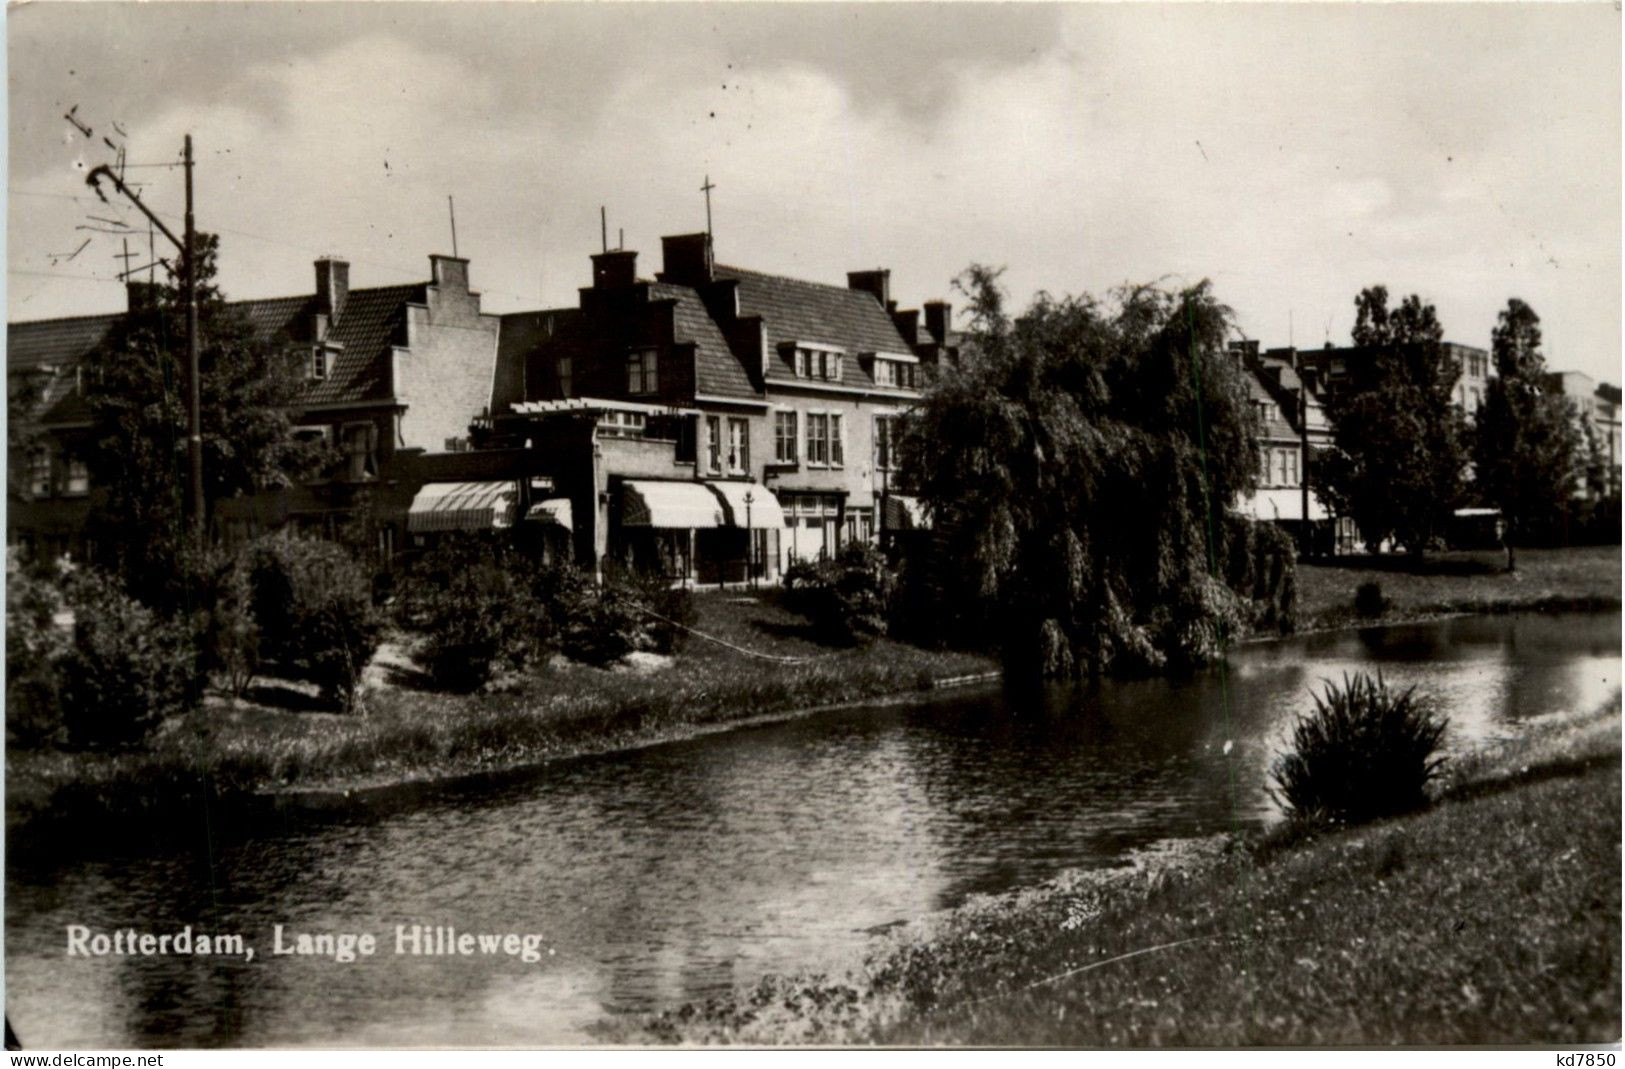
[1369,602]
[1363,753]
[472,598]
[126,668]
[313,604]
[846,598]
[35,646]
[225,632]
[664,627]
[1259,563]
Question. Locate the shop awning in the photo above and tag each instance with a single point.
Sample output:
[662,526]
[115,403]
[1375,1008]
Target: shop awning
[904,513]
[679,505]
[555,510]
[761,513]
[462,507]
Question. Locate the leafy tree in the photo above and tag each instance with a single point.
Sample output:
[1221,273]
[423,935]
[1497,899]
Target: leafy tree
[1399,442]
[1074,473]
[1527,445]
[135,384]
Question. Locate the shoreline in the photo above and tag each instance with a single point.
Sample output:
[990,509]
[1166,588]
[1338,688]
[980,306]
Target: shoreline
[918,982]
[123,793]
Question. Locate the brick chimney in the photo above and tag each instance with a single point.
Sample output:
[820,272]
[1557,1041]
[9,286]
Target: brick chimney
[877,283]
[139,296]
[939,318]
[613,270]
[687,260]
[332,287]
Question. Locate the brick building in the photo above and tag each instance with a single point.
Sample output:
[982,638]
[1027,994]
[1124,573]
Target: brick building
[713,422]
[395,373]
[1292,426]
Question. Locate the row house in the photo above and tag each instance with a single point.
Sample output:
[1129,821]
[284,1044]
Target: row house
[1336,365]
[394,374]
[715,423]
[1291,425]
[1596,410]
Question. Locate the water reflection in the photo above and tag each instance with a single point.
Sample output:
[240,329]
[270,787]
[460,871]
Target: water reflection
[683,871]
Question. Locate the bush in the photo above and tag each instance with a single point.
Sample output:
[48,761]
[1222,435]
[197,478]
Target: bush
[1364,753]
[472,598]
[225,631]
[313,604]
[126,669]
[846,598]
[1369,602]
[664,628]
[35,646]
[1259,563]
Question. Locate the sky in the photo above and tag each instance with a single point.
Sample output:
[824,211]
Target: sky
[1291,154]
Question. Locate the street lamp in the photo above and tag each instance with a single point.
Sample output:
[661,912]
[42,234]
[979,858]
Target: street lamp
[750,543]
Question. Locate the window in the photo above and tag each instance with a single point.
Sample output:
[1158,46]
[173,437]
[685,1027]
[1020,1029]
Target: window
[738,446]
[713,444]
[885,441]
[1288,459]
[642,372]
[784,437]
[318,363]
[360,439]
[622,425]
[565,369]
[39,473]
[825,364]
[77,481]
[1264,466]
[817,439]
[837,445]
[885,373]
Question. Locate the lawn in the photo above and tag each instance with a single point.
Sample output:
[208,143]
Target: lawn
[1442,583]
[1491,918]
[411,734]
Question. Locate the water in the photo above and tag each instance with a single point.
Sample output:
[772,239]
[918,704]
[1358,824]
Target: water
[679,872]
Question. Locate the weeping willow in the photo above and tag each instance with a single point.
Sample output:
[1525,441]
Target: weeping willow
[1079,468]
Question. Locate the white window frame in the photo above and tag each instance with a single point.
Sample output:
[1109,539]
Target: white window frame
[738,460]
[643,372]
[837,440]
[713,444]
[781,418]
[816,450]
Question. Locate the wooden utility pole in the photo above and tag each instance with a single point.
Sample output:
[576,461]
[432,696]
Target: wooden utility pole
[194,423]
[187,247]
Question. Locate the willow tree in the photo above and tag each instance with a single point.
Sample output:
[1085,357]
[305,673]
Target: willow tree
[1078,471]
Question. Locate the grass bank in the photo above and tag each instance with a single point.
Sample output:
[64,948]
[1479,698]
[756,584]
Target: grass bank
[229,751]
[1442,584]
[1491,918]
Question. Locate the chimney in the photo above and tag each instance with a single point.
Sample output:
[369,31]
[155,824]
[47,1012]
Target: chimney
[612,270]
[687,259]
[939,317]
[332,287]
[877,283]
[908,325]
[449,272]
[139,296]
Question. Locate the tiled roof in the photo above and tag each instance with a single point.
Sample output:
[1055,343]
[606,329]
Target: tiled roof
[372,320]
[717,370]
[794,310]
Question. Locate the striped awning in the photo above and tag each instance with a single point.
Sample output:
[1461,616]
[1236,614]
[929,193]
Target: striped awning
[904,513]
[760,513]
[675,504]
[555,510]
[462,507]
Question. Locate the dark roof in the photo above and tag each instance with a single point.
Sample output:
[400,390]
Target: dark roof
[372,321]
[1608,392]
[793,310]
[717,370]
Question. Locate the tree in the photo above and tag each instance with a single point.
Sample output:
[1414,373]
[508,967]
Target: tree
[135,384]
[1399,453]
[1527,444]
[1074,473]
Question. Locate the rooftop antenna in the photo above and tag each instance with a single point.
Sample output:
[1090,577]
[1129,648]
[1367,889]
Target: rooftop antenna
[706,189]
[451,206]
[1289,328]
[603,229]
[622,240]
[126,256]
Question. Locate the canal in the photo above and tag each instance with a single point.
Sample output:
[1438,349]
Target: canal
[681,871]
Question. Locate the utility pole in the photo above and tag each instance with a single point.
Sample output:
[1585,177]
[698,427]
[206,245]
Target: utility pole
[186,245]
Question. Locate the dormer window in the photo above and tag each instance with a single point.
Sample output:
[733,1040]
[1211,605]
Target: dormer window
[318,364]
[642,372]
[820,363]
[894,369]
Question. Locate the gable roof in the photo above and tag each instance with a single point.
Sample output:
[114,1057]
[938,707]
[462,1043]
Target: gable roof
[373,321]
[794,310]
[717,370]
